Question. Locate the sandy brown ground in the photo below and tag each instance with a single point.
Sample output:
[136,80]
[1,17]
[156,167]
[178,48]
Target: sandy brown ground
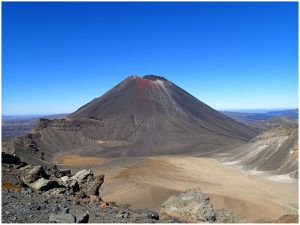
[147,182]
[73,160]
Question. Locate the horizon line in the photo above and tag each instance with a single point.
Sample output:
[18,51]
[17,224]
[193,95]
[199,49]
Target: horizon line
[218,109]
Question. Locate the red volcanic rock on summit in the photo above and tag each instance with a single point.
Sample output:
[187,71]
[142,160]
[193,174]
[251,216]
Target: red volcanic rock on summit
[140,116]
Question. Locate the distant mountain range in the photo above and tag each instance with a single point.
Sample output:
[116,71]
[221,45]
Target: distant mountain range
[239,115]
[246,118]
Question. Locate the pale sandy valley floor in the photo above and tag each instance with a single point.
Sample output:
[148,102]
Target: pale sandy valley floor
[148,182]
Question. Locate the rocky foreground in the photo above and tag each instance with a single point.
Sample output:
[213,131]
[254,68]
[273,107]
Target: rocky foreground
[39,194]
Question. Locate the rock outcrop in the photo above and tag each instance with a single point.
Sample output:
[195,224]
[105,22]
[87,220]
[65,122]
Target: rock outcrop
[76,199]
[10,159]
[44,179]
[36,178]
[62,218]
[85,181]
[192,206]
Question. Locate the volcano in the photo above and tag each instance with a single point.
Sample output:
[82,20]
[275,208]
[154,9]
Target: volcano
[140,116]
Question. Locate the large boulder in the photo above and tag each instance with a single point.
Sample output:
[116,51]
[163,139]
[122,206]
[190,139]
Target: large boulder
[87,182]
[81,176]
[69,183]
[36,178]
[58,173]
[43,184]
[31,173]
[190,206]
[92,185]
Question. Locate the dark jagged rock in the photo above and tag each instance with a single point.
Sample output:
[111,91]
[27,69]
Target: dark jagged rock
[58,173]
[10,159]
[88,183]
[92,185]
[149,213]
[31,173]
[83,218]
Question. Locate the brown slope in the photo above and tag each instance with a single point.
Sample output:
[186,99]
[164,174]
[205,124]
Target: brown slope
[274,152]
[138,117]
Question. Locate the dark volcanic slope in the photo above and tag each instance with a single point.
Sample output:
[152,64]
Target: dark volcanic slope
[142,116]
[158,117]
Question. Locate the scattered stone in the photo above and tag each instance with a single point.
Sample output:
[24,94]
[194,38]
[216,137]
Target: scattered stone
[226,215]
[83,218]
[104,205]
[289,218]
[55,209]
[26,190]
[62,218]
[76,202]
[81,195]
[64,210]
[56,191]
[123,212]
[149,214]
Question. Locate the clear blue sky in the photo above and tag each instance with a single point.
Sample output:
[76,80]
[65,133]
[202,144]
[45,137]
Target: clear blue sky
[58,56]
